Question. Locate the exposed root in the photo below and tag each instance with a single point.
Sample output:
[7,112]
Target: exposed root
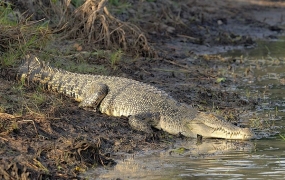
[93,22]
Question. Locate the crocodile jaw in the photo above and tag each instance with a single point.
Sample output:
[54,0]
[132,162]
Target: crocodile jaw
[209,126]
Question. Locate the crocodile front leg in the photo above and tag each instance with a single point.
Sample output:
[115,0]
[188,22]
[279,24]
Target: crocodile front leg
[93,96]
[143,122]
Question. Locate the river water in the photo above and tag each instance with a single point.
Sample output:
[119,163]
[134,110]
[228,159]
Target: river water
[223,159]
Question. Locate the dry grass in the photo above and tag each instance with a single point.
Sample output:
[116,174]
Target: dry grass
[93,22]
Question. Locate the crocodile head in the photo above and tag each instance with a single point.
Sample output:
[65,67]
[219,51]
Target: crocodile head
[209,126]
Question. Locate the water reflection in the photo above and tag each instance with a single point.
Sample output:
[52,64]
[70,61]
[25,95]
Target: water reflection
[264,49]
[186,159]
[261,159]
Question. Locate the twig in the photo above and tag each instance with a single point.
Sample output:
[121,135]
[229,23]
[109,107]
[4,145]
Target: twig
[33,124]
[4,139]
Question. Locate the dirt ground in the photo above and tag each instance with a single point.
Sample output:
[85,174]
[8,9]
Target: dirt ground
[57,140]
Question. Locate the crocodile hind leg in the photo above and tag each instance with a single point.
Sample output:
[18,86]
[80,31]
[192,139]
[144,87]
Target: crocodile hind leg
[143,122]
[96,93]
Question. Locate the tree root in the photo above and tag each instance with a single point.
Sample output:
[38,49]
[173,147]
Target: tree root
[93,22]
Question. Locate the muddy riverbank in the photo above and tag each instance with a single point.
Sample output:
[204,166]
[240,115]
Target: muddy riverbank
[46,135]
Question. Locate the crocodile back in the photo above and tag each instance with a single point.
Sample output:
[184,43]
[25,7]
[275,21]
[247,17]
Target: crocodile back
[125,96]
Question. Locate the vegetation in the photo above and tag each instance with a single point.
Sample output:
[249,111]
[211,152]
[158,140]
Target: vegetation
[89,21]
[18,36]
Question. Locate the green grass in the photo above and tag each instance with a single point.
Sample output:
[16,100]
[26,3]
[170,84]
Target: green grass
[76,3]
[18,37]
[115,58]
[282,136]
[118,6]
[7,16]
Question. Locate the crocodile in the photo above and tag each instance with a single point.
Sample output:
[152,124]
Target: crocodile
[144,105]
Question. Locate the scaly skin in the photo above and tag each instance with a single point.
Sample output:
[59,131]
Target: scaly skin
[144,105]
